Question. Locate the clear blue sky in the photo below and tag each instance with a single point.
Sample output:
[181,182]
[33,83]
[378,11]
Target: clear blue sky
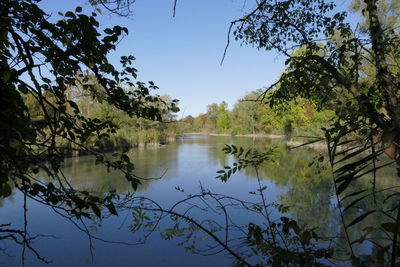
[182,54]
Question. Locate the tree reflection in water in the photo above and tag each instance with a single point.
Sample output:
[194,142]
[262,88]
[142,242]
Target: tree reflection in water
[291,183]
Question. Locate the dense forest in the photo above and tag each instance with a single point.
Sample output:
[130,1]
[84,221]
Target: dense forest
[251,116]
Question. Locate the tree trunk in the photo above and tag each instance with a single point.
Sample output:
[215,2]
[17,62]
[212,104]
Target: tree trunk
[385,84]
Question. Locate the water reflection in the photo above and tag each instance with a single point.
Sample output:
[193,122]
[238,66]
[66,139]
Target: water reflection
[291,181]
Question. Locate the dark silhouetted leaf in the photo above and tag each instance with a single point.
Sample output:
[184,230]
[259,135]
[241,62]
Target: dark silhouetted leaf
[360,218]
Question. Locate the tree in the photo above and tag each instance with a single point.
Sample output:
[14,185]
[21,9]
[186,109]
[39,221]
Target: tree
[212,113]
[354,72]
[245,114]
[343,68]
[388,10]
[41,63]
[324,69]
[223,121]
[331,69]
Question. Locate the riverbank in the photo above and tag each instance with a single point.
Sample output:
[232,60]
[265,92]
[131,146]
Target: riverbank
[293,142]
[239,135]
[73,152]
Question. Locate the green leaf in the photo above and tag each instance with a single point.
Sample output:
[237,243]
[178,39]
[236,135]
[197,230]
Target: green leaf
[354,202]
[73,105]
[14,143]
[353,154]
[343,186]
[343,152]
[374,169]
[308,143]
[125,158]
[354,194]
[108,31]
[70,14]
[350,176]
[390,196]
[6,191]
[360,218]
[112,209]
[262,189]
[358,163]
[345,142]
[390,227]
[96,210]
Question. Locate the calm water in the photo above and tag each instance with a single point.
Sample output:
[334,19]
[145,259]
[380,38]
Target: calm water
[189,164]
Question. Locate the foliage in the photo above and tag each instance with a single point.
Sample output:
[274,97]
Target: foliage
[388,13]
[327,70]
[329,66]
[354,73]
[245,158]
[42,63]
[223,121]
[250,116]
[131,130]
[351,160]
[119,7]
[265,240]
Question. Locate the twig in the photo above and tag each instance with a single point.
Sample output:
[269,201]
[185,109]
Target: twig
[174,10]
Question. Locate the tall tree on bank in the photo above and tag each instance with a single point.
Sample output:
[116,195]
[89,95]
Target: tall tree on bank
[355,72]
[329,66]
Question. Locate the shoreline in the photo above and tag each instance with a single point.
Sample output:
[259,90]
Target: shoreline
[70,153]
[292,142]
[238,135]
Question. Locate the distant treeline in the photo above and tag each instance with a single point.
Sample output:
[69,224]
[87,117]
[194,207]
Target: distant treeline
[248,116]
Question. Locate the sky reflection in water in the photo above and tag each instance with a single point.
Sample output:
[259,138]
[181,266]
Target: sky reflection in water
[188,164]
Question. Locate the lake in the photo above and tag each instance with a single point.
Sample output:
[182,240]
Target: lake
[187,166]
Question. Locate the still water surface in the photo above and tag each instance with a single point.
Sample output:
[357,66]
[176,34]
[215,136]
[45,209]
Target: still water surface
[190,163]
